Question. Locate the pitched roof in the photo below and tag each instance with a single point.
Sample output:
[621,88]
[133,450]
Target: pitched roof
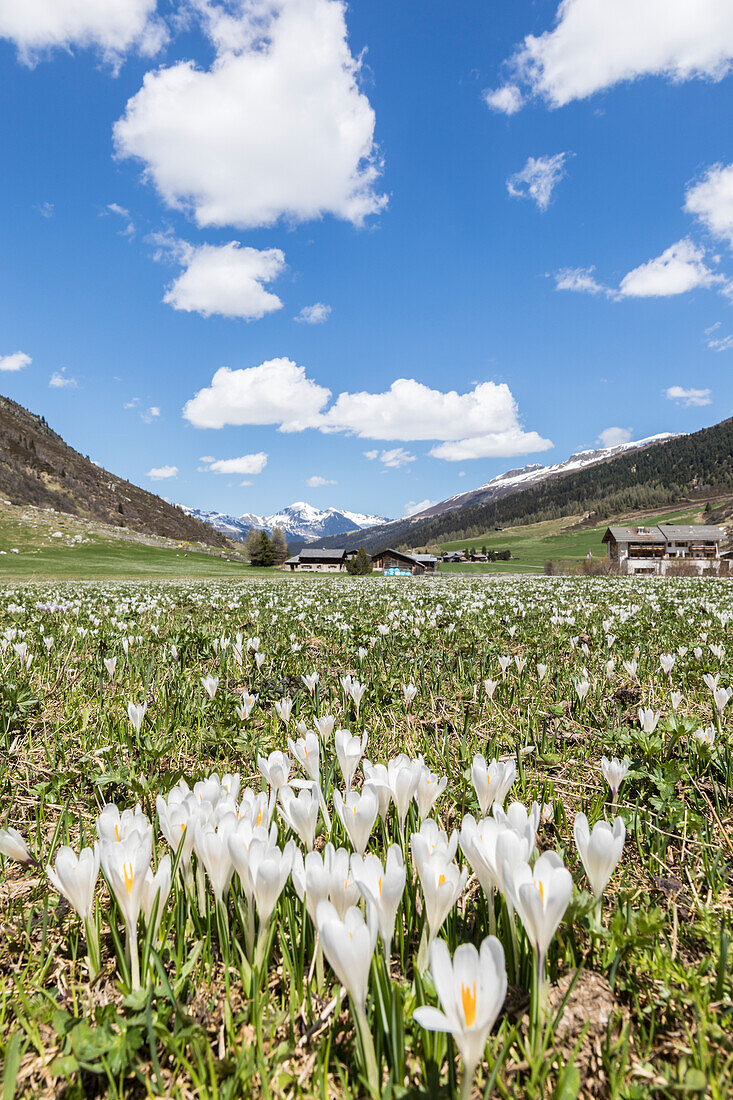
[631,534]
[314,554]
[665,532]
[694,531]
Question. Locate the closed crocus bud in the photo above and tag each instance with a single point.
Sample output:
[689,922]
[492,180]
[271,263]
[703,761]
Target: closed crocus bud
[541,672]
[269,868]
[471,989]
[14,846]
[210,684]
[648,719]
[212,848]
[599,850]
[157,887]
[478,844]
[275,769]
[614,772]
[349,751]
[136,714]
[75,877]
[582,688]
[301,813]
[110,663]
[357,812]
[722,697]
[676,698]
[284,709]
[409,692]
[325,725]
[377,777]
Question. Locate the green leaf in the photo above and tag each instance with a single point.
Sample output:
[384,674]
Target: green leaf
[568,1086]
[12,1065]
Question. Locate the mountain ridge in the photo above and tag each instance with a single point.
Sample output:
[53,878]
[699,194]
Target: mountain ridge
[299,521]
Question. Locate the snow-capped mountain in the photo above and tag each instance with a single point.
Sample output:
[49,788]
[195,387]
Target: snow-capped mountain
[514,481]
[298,521]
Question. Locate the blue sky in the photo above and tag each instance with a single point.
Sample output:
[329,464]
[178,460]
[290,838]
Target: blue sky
[524,213]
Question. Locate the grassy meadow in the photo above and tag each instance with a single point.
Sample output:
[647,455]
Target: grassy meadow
[254,834]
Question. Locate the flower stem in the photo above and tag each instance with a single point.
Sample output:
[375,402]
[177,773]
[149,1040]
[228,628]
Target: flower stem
[134,957]
[369,1054]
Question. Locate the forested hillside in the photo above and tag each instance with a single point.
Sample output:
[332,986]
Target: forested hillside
[688,466]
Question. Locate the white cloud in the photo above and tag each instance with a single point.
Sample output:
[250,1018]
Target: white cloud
[579,279]
[60,380]
[46,209]
[371,455]
[507,99]
[245,464]
[222,279]
[276,128]
[316,482]
[160,473]
[112,26]
[612,437]
[538,179]
[483,422]
[688,396]
[394,458]
[151,414]
[680,268]
[717,342]
[711,201]
[413,507]
[275,392]
[596,44]
[314,315]
[15,361]
[123,213]
[410,410]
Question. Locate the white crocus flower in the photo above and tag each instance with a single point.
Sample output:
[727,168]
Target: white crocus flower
[301,813]
[599,850]
[471,989]
[614,772]
[667,660]
[403,775]
[211,844]
[275,770]
[540,895]
[325,725]
[442,884]
[259,659]
[14,846]
[269,868]
[722,697]
[357,812]
[705,737]
[430,838]
[490,687]
[110,663]
[125,864]
[114,826]
[306,751]
[541,672]
[523,822]
[582,688]
[348,945]
[136,714]
[349,751]
[429,790]
[210,684]
[75,878]
[310,681]
[409,692]
[177,820]
[676,697]
[246,706]
[382,887]
[284,708]
[648,719]
[157,886]
[478,844]
[504,663]
[493,782]
[377,776]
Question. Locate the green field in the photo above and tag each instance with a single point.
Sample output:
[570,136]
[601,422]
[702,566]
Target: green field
[555,540]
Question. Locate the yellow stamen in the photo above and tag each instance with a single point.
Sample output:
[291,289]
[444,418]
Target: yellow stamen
[541,890]
[117,831]
[380,886]
[441,880]
[468,997]
[259,818]
[129,879]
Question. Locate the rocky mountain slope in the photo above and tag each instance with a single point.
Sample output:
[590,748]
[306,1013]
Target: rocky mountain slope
[38,468]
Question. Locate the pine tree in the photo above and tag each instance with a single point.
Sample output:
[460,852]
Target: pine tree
[265,555]
[360,565]
[252,546]
[279,546]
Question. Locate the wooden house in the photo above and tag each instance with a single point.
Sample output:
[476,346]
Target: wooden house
[317,560]
[654,549]
[396,563]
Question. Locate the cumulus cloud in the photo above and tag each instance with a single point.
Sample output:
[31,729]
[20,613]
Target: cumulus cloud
[317,482]
[161,473]
[711,201]
[112,26]
[276,128]
[507,99]
[59,380]
[680,268]
[595,45]
[413,507]
[15,361]
[275,392]
[481,423]
[613,437]
[688,396]
[313,315]
[223,279]
[538,179]
[245,464]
